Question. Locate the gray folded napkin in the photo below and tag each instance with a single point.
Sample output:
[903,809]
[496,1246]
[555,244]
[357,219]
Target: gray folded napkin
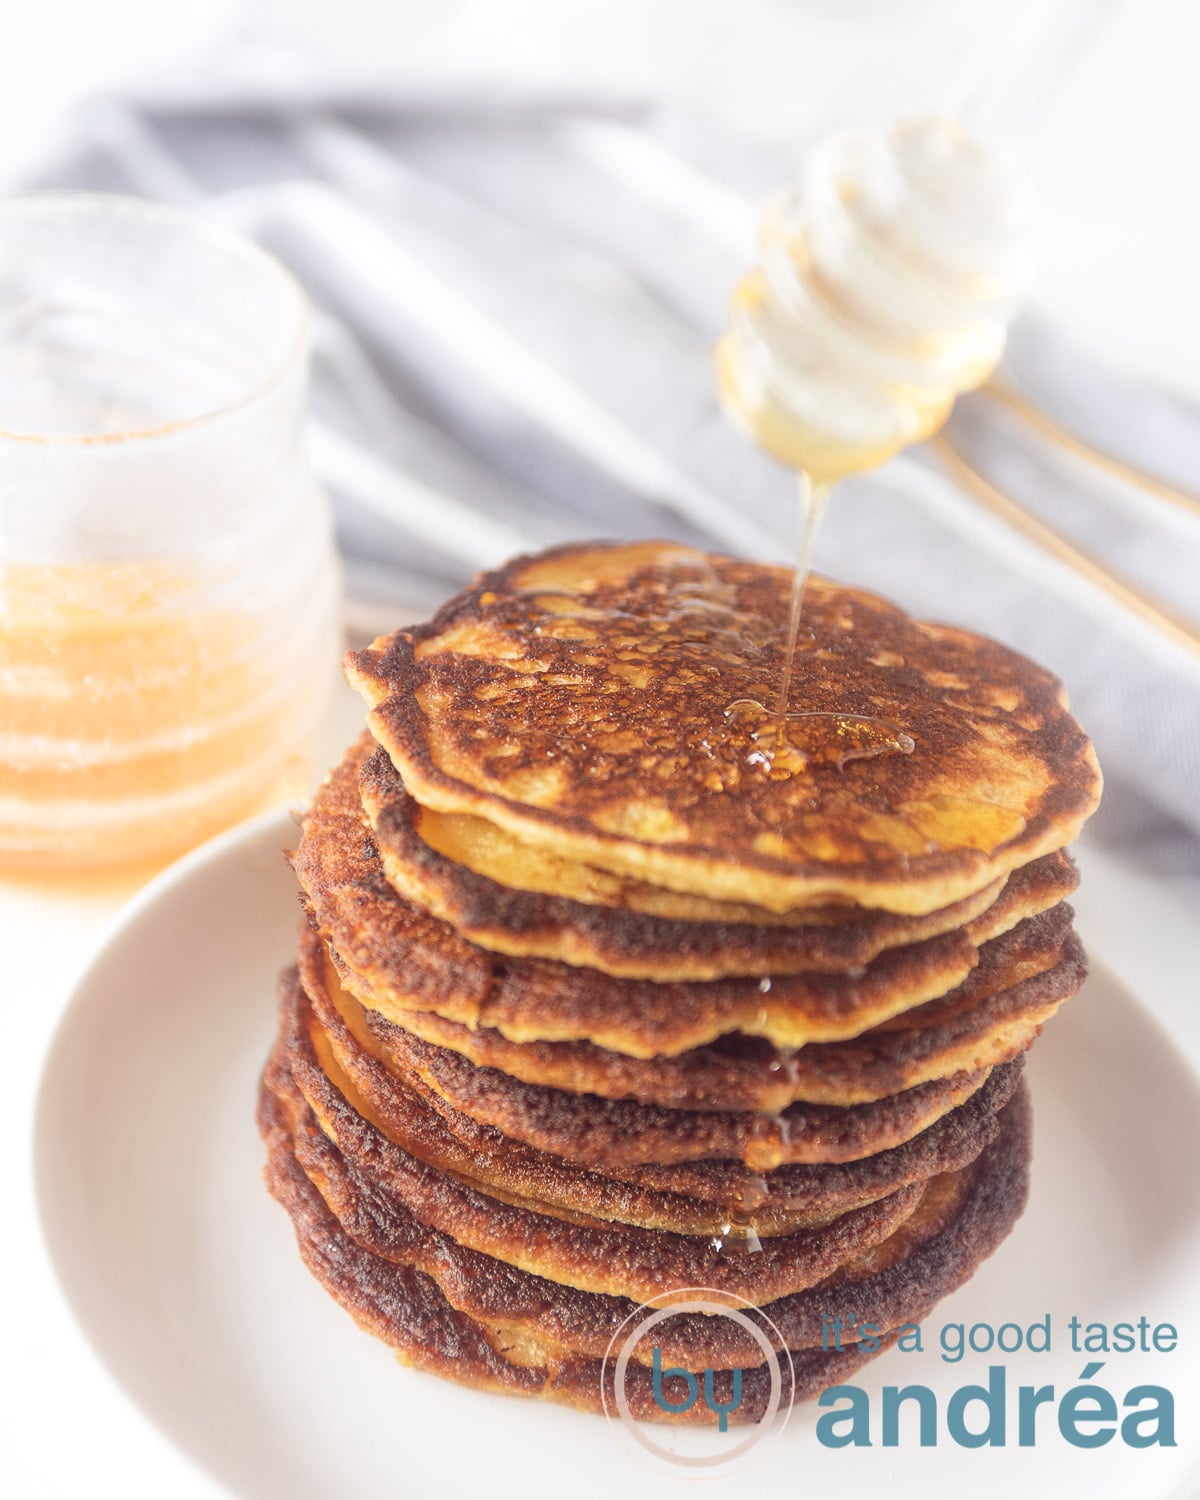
[517,300]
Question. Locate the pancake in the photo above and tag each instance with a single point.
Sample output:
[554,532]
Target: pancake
[627,1260]
[690,1198]
[739,1072]
[470,845]
[462,869]
[396,958]
[531,1001]
[606,1133]
[505,1170]
[960,1219]
[405,1309]
[583,701]
[535,1000]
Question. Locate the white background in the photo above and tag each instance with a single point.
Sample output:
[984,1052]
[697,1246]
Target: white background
[1119,240]
[1115,155]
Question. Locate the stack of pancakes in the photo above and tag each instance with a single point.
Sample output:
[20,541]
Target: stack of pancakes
[605,991]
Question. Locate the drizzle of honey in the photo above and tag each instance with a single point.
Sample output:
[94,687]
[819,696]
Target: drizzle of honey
[807,738]
[786,742]
[814,497]
[739,1234]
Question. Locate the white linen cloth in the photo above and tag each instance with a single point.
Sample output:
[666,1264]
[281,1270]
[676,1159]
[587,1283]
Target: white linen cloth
[517,299]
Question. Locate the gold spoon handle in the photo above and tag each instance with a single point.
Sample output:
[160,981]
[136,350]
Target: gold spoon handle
[1028,411]
[1132,597]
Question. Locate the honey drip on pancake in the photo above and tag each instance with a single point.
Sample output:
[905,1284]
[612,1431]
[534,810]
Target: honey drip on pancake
[739,1235]
[787,742]
[814,497]
[815,738]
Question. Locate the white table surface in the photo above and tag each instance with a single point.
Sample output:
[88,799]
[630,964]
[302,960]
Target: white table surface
[72,1431]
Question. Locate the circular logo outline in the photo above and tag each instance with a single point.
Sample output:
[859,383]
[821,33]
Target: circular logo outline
[685,1300]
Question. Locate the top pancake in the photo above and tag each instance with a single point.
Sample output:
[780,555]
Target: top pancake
[493,893]
[396,958]
[578,701]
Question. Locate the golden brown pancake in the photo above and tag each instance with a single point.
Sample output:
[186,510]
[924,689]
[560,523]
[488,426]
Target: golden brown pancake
[396,958]
[581,701]
[741,1072]
[469,845]
[626,1260]
[408,1309]
[405,1309]
[449,865]
[688,1197]
[607,1133]
[960,1219]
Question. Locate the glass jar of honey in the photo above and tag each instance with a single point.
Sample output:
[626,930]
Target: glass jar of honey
[169,590]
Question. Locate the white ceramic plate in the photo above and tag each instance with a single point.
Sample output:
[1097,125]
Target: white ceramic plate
[184,1275]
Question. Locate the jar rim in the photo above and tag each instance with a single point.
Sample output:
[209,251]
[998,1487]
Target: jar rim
[294,346]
